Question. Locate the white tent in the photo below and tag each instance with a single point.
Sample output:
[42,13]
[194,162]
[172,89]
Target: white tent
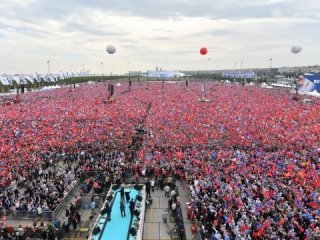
[23,80]
[10,80]
[36,78]
[29,78]
[52,78]
[4,81]
[16,79]
[44,78]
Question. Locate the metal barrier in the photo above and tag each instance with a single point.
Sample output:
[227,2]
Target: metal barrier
[34,233]
[198,236]
[20,214]
[62,204]
[71,193]
[179,213]
[86,200]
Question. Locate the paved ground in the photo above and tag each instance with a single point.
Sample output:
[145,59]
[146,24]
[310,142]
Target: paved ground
[154,227]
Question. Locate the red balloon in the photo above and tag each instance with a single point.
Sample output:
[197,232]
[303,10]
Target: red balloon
[203,51]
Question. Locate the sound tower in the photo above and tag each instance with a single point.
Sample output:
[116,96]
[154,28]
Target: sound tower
[22,88]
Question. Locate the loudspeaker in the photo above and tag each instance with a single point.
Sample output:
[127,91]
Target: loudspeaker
[136,212]
[103,211]
[133,231]
[22,88]
[111,89]
[96,230]
[187,83]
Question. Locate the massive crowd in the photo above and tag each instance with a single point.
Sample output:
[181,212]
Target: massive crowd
[250,156]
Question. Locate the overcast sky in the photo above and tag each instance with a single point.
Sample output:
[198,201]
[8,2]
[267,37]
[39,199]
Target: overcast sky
[150,33]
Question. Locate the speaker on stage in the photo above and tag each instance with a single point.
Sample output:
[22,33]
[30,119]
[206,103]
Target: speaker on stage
[111,89]
[96,230]
[22,88]
[187,83]
[103,211]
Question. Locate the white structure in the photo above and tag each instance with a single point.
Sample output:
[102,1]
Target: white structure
[282,85]
[25,78]
[165,74]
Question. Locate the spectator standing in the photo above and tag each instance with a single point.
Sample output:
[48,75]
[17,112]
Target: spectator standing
[165,215]
[152,185]
[122,208]
[148,188]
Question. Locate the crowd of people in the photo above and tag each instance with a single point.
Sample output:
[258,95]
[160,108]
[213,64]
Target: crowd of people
[250,156]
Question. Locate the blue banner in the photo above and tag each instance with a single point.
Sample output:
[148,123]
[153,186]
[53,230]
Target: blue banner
[309,83]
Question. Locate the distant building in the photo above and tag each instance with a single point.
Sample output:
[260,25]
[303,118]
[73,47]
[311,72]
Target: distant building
[136,73]
[240,74]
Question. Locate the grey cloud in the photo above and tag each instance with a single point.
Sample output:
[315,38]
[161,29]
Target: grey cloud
[29,31]
[26,30]
[160,30]
[228,9]
[88,28]
[160,38]
[52,20]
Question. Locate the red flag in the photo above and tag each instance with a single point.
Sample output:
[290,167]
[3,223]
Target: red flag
[244,228]
[258,233]
[314,205]
[301,229]
[281,222]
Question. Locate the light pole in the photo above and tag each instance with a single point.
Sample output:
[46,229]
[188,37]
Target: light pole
[129,77]
[270,67]
[48,62]
[270,63]
[101,69]
[241,74]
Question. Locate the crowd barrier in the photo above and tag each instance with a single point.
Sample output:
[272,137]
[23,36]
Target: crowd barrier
[22,214]
[63,204]
[28,232]
[180,217]
[198,236]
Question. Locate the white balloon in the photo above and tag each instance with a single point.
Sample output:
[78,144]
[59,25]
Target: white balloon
[111,49]
[296,49]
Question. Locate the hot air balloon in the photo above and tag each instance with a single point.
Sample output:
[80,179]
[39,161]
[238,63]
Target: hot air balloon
[296,49]
[203,51]
[111,49]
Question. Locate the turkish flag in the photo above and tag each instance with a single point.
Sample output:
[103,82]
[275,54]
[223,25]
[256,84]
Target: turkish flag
[314,205]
